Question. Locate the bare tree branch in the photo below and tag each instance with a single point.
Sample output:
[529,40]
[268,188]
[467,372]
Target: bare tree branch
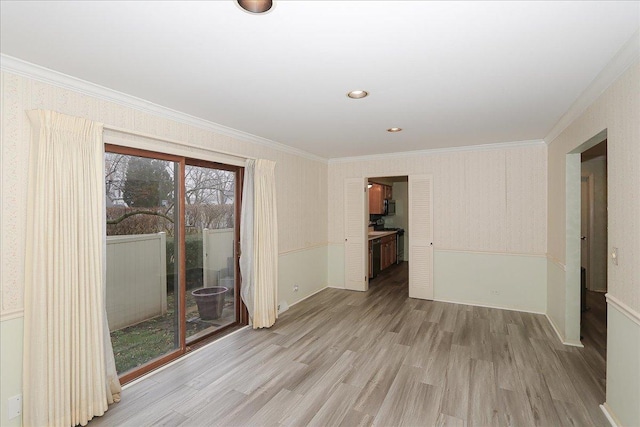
[130,214]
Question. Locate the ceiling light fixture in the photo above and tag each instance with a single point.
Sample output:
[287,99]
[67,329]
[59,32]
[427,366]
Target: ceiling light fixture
[394,129]
[255,6]
[357,94]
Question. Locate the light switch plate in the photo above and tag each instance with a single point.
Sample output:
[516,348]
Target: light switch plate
[14,406]
[614,256]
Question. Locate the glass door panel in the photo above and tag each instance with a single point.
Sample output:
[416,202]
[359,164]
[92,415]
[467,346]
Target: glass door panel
[210,236]
[142,258]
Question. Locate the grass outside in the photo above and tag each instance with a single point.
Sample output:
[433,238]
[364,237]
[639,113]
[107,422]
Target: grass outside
[140,343]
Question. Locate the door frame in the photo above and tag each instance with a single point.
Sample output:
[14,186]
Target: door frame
[589,178]
[573,177]
[242,314]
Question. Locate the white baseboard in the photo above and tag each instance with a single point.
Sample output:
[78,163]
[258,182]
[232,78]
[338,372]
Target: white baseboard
[308,296]
[606,410]
[560,336]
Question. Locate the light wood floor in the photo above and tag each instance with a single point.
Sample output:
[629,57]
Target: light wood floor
[351,358]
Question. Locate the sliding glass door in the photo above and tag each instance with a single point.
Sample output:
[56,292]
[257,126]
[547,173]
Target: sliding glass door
[171,258]
[211,238]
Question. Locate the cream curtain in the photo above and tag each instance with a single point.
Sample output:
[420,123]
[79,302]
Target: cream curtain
[69,372]
[259,243]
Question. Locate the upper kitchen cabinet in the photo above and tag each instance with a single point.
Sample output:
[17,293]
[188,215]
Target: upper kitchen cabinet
[376,199]
[388,192]
[377,194]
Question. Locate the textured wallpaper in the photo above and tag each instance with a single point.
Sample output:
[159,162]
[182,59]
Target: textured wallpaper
[487,201]
[618,111]
[301,182]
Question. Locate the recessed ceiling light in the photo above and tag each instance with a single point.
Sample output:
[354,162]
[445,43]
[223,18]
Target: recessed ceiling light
[357,94]
[394,129]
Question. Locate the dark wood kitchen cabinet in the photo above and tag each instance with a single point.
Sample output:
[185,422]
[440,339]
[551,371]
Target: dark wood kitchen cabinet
[376,199]
[377,194]
[388,251]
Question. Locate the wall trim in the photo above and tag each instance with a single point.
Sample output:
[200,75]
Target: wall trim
[633,315]
[560,336]
[624,58]
[434,151]
[557,262]
[309,296]
[19,67]
[608,413]
[11,314]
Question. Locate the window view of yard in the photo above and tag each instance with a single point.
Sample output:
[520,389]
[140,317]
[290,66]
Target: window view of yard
[146,340]
[143,256]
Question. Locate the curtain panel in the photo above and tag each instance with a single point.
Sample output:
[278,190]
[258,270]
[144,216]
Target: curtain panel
[259,243]
[69,371]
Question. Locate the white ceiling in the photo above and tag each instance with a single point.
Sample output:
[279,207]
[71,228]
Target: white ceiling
[449,73]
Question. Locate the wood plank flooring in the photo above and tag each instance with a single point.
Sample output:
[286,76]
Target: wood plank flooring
[343,358]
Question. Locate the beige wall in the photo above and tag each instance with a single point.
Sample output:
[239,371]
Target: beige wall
[488,201]
[301,182]
[617,110]
[301,191]
[488,205]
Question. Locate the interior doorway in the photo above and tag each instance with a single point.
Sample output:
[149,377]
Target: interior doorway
[593,248]
[420,236]
[409,204]
[388,225]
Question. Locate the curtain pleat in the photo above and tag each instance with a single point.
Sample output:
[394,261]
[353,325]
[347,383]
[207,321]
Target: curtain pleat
[259,238]
[67,380]
[246,238]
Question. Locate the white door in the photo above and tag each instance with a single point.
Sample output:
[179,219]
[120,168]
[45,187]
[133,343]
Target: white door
[421,236]
[356,209]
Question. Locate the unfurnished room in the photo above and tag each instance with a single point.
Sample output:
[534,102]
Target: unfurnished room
[323,213]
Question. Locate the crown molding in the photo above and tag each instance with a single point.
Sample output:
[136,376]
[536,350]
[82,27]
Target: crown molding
[19,67]
[433,151]
[625,58]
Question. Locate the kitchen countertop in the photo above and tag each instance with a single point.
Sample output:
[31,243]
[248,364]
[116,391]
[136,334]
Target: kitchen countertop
[379,234]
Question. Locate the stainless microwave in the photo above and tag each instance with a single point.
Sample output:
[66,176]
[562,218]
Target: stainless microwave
[389,207]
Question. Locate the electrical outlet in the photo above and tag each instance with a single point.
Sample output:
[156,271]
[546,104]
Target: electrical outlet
[14,406]
[295,288]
